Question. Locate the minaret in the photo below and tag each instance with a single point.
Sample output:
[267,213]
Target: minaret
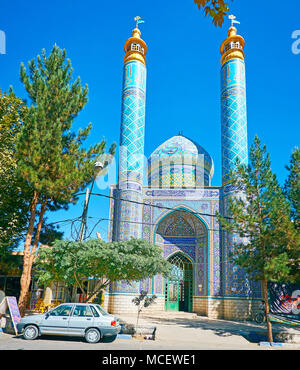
[233,103]
[131,154]
[234,144]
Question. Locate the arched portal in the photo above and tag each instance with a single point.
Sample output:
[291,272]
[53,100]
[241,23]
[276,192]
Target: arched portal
[183,237]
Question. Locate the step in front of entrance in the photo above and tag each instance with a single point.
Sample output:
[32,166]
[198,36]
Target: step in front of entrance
[174,314]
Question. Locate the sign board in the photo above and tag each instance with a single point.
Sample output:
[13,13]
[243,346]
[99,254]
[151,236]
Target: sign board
[11,304]
[284,300]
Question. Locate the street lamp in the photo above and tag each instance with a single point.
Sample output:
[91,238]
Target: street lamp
[97,167]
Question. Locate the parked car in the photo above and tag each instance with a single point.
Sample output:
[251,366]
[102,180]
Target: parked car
[87,320]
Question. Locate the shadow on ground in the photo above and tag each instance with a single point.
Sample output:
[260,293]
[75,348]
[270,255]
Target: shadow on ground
[66,338]
[251,331]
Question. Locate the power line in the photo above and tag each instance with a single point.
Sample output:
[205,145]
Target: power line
[75,231]
[155,205]
[140,223]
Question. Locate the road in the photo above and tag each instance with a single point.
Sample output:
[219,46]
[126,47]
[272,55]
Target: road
[173,333]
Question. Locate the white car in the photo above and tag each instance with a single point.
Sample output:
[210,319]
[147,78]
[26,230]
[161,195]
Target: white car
[87,320]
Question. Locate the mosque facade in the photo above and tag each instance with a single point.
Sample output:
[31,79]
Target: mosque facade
[177,207]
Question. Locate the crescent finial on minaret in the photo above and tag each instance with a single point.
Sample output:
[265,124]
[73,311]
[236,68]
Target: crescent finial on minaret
[138,20]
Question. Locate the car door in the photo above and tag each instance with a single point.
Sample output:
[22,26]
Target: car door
[81,318]
[56,321]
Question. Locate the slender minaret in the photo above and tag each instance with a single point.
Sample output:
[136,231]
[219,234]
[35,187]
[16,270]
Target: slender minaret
[234,142]
[131,154]
[233,103]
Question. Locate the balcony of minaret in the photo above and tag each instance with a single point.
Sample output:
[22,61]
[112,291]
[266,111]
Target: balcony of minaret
[233,45]
[135,47]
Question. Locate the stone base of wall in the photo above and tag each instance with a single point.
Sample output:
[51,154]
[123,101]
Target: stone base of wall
[226,308]
[212,307]
[215,309]
[122,303]
[240,309]
[205,306]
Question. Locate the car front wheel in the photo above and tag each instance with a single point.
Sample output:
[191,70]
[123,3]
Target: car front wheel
[92,335]
[31,332]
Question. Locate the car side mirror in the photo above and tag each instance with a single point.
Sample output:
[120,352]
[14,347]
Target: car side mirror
[47,315]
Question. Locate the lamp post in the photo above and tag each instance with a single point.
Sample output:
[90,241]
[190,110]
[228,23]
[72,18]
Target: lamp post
[97,167]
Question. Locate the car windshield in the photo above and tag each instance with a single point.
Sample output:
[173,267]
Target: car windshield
[101,309]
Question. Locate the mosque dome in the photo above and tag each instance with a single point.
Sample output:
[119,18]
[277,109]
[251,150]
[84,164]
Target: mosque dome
[180,163]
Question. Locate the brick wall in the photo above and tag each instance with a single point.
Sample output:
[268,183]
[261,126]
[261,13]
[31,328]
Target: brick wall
[215,308]
[121,303]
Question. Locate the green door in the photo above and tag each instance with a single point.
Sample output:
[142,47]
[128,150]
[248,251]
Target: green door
[179,286]
[172,295]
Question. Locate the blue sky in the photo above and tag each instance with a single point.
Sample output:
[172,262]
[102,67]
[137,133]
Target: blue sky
[183,64]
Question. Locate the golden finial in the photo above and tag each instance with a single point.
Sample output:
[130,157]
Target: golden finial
[233,19]
[138,20]
[135,48]
[234,44]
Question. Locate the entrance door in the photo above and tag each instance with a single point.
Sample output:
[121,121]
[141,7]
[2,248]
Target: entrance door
[172,296]
[179,286]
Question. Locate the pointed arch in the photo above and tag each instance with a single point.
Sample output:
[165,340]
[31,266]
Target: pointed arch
[196,247]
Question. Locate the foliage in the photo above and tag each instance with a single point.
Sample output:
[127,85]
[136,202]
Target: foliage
[261,219]
[11,264]
[51,158]
[292,187]
[147,301]
[217,9]
[14,194]
[143,298]
[71,262]
[49,233]
[266,244]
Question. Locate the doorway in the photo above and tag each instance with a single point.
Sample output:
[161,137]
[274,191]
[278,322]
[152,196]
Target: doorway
[179,286]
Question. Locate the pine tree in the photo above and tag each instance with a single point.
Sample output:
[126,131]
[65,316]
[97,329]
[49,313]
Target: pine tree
[292,193]
[51,158]
[261,217]
[292,187]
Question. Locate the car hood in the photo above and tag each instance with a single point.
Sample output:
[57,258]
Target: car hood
[33,318]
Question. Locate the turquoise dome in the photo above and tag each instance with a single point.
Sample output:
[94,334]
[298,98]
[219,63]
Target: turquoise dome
[180,162]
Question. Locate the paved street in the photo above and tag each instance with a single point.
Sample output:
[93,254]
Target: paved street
[174,332]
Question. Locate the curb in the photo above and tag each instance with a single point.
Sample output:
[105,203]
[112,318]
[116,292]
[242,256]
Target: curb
[271,344]
[124,336]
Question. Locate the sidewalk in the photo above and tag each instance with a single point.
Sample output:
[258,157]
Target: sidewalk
[191,328]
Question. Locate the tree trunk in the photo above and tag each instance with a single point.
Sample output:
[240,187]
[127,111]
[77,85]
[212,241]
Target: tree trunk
[34,247]
[99,286]
[26,258]
[30,254]
[137,320]
[269,324]
[38,231]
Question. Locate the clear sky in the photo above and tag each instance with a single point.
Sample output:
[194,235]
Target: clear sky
[183,64]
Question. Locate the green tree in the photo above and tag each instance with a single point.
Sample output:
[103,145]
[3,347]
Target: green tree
[260,217]
[292,187]
[292,193]
[50,157]
[142,301]
[72,262]
[216,9]
[14,193]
